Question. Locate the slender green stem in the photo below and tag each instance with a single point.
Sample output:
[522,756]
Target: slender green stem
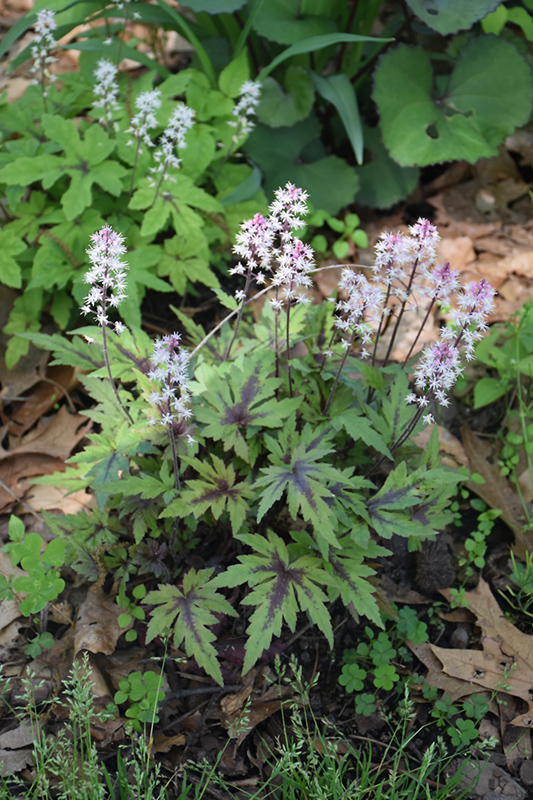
[337,376]
[400,314]
[276,334]
[428,312]
[110,376]
[232,314]
[175,464]
[240,313]
[288,344]
[137,149]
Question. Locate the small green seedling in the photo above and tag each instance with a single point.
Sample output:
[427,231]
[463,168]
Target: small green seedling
[144,693]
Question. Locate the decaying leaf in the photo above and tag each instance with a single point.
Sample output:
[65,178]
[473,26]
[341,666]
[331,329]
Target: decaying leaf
[242,711]
[505,664]
[496,491]
[97,628]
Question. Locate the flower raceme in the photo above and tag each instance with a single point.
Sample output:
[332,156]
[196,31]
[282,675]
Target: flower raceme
[404,273]
[250,94]
[170,363]
[43,43]
[144,121]
[180,121]
[107,276]
[106,88]
[440,366]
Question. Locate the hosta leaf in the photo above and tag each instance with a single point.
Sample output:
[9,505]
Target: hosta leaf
[281,588]
[282,21]
[477,110]
[283,106]
[383,182]
[450,16]
[215,6]
[279,152]
[189,613]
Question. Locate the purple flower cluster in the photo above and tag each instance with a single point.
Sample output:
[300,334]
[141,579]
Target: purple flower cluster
[107,276]
[440,365]
[268,245]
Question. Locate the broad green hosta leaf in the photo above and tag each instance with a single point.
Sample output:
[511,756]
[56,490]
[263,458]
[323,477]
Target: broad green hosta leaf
[216,490]
[188,614]
[283,106]
[235,74]
[283,586]
[282,21]
[450,16]
[215,6]
[382,181]
[331,183]
[479,107]
[238,400]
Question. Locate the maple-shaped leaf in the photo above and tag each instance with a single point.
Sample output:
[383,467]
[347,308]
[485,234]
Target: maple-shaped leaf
[188,613]
[215,490]
[176,204]
[299,469]
[283,586]
[239,399]
[343,415]
[351,578]
[84,161]
[505,664]
[412,504]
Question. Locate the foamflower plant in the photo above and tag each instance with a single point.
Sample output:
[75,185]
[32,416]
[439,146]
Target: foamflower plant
[302,464]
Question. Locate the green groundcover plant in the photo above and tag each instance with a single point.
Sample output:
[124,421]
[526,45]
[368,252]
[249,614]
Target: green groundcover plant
[283,441]
[447,81]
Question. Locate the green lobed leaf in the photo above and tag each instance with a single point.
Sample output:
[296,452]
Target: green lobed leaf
[281,587]
[216,490]
[190,612]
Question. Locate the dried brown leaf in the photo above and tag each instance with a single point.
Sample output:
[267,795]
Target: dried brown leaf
[505,664]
